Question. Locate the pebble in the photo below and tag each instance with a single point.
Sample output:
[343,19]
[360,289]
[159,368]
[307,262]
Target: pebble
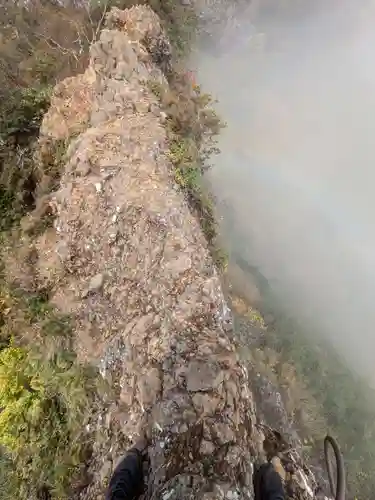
[207,447]
[83,169]
[96,283]
[106,470]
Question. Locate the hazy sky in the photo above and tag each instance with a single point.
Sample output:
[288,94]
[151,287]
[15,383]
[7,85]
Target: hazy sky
[298,158]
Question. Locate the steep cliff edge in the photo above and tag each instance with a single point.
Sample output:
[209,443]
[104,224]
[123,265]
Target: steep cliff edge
[128,262]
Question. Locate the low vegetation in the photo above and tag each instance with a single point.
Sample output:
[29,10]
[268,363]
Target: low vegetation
[262,357]
[344,400]
[47,399]
[42,425]
[192,127]
[320,392]
[21,114]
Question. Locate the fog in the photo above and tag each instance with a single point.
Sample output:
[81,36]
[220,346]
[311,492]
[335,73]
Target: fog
[297,162]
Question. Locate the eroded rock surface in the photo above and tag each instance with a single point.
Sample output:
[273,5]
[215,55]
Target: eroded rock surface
[129,262]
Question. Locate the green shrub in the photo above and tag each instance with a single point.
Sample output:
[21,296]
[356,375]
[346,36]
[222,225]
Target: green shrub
[46,398]
[22,112]
[20,117]
[42,423]
[180,22]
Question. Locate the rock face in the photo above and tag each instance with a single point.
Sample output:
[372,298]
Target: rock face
[134,272]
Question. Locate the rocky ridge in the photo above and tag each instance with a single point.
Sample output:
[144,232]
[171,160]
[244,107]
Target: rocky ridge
[129,262]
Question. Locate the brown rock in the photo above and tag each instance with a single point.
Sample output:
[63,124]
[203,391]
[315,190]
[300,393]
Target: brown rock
[207,448]
[127,391]
[70,109]
[203,376]
[96,283]
[223,433]
[142,106]
[149,386]
[83,169]
[233,456]
[205,404]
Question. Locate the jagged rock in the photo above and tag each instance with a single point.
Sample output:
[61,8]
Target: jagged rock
[270,404]
[207,447]
[83,169]
[206,404]
[149,387]
[233,456]
[223,433]
[71,107]
[202,376]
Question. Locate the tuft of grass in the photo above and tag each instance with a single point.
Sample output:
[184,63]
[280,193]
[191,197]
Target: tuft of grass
[180,22]
[27,172]
[57,325]
[49,160]
[38,307]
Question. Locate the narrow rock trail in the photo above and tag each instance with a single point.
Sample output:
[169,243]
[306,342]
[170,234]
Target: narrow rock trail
[129,263]
[133,268]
